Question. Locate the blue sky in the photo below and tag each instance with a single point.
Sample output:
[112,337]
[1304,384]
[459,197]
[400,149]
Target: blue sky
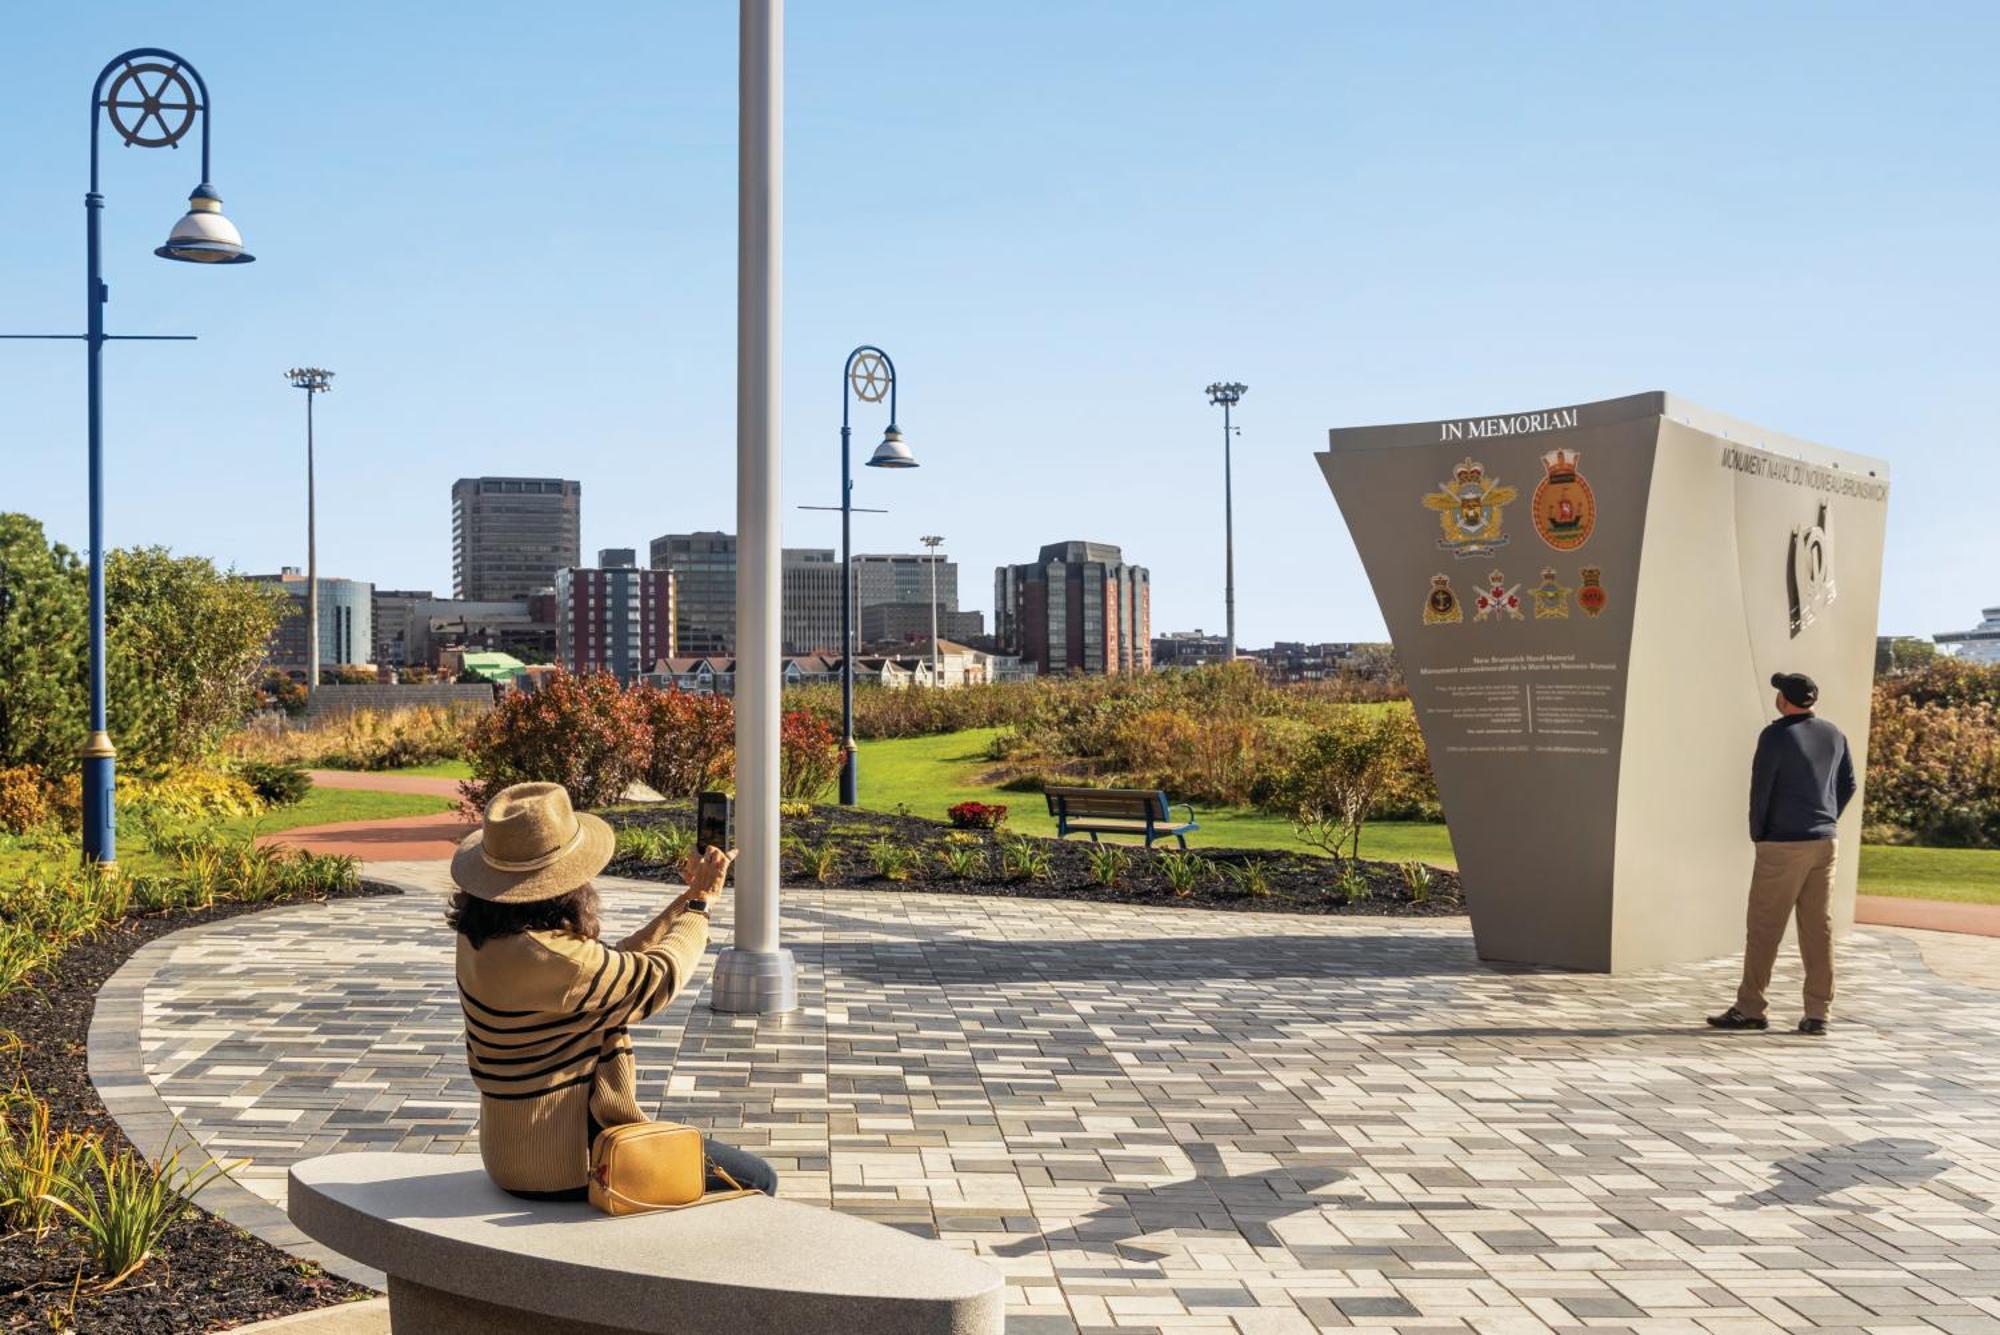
[510,229]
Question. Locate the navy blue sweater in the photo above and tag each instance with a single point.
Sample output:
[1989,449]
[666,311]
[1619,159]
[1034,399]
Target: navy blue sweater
[1800,781]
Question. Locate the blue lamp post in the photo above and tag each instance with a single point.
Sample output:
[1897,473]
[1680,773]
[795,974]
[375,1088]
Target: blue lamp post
[151,103]
[869,376]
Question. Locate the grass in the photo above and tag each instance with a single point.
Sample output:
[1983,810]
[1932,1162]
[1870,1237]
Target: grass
[1964,875]
[437,769]
[929,774]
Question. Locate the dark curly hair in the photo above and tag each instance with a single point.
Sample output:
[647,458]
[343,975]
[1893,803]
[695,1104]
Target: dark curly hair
[480,920]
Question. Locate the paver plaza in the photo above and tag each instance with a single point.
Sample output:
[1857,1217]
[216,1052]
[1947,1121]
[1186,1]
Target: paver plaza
[1226,1121]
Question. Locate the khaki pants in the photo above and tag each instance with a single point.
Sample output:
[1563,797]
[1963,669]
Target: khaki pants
[1790,878]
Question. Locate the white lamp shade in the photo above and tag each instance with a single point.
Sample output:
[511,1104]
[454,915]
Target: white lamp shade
[892,452]
[203,235]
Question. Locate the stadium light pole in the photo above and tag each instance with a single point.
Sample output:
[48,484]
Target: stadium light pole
[1228,394]
[152,103]
[313,380]
[933,541]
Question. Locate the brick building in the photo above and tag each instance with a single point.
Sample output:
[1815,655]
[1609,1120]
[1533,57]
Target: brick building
[1080,607]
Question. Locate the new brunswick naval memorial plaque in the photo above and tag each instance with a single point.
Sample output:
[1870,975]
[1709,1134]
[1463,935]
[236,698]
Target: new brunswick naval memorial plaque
[1588,603]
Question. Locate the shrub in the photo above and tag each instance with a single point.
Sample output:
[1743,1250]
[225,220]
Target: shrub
[124,1205]
[187,794]
[892,861]
[694,740]
[276,783]
[24,799]
[586,733]
[1343,771]
[795,810]
[365,739]
[977,815]
[809,757]
[1934,768]
[1108,864]
[960,861]
[1184,871]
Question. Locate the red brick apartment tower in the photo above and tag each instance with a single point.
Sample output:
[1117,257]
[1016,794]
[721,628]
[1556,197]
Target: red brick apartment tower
[1078,608]
[617,619]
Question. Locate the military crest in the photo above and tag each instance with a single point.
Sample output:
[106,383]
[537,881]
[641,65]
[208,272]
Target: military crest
[1441,604]
[1497,600]
[1591,597]
[1565,509]
[1551,597]
[1469,509]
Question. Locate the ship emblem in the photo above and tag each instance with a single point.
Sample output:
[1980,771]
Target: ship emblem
[1441,604]
[1469,510]
[1565,509]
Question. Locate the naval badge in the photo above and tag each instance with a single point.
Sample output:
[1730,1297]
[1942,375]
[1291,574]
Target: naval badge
[1469,509]
[1591,597]
[1565,510]
[1441,604]
[1497,600]
[1551,598]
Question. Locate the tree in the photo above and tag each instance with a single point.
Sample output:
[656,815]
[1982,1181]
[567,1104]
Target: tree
[1345,770]
[187,641]
[44,691]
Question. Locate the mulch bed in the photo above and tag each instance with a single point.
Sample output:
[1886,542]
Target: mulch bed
[207,1274]
[1296,882]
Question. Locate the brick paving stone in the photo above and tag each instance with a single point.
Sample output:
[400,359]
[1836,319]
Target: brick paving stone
[1174,1120]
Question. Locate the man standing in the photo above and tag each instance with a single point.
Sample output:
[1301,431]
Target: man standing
[1800,782]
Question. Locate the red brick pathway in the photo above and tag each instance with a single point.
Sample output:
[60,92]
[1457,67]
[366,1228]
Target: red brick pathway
[1931,915]
[398,839]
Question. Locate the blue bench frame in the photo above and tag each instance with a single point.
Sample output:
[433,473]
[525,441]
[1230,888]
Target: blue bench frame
[1149,805]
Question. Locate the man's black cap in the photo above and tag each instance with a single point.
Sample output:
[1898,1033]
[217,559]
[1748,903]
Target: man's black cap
[1796,687]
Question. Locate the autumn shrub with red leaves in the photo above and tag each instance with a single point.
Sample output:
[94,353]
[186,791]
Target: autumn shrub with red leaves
[586,733]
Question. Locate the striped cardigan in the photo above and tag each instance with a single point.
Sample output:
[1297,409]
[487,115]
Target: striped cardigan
[545,1021]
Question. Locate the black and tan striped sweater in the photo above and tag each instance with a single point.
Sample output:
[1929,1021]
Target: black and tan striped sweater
[545,1036]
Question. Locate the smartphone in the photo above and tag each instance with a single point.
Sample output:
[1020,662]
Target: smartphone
[713,820]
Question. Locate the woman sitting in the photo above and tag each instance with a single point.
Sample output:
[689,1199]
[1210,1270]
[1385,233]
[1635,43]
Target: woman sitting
[547,1005]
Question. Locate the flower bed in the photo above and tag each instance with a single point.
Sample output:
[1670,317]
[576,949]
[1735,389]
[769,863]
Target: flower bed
[835,846]
[205,1274]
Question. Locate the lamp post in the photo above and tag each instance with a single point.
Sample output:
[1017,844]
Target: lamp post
[313,380]
[932,541]
[1228,394]
[151,104]
[868,376]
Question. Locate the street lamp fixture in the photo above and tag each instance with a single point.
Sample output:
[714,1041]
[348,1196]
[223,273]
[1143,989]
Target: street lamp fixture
[869,376]
[152,99]
[1228,394]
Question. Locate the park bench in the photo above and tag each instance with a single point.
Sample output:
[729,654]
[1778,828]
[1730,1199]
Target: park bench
[1095,811]
[462,1256]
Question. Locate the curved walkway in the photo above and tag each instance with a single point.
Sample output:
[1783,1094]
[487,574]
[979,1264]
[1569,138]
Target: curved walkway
[1167,1119]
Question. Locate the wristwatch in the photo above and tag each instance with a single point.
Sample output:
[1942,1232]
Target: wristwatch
[696,905]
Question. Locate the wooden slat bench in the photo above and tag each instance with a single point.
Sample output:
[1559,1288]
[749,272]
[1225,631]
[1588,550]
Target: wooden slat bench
[1096,811]
[464,1257]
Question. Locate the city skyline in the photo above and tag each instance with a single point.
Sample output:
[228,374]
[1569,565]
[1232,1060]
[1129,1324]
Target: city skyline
[1410,240]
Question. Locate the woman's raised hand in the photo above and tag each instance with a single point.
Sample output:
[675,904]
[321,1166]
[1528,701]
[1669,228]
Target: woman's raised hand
[706,871]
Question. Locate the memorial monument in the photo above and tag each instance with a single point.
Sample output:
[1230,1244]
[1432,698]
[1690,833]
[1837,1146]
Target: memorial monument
[1588,603]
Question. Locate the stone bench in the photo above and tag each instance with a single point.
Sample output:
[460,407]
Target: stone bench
[463,1256]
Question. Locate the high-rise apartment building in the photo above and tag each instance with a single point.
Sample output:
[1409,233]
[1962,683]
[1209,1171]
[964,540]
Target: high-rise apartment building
[1078,608]
[346,622]
[704,567]
[618,620]
[509,535]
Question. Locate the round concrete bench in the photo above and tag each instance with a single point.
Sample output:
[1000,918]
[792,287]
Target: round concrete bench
[463,1256]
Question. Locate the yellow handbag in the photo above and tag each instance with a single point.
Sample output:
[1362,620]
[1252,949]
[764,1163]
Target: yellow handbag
[643,1166]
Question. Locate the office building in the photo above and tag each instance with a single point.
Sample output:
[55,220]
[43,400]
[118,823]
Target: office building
[397,625]
[1078,608]
[810,582]
[904,627]
[904,578]
[346,622]
[618,620]
[414,627]
[1189,649]
[509,535]
[704,568]
[615,558]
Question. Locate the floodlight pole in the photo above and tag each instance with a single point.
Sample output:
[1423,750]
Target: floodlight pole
[932,541]
[313,380]
[756,975]
[1228,394]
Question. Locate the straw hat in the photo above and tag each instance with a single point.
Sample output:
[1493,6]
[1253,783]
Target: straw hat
[532,846]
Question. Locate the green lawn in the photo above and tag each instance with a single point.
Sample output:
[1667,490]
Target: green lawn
[928,774]
[437,769]
[321,806]
[1969,875]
